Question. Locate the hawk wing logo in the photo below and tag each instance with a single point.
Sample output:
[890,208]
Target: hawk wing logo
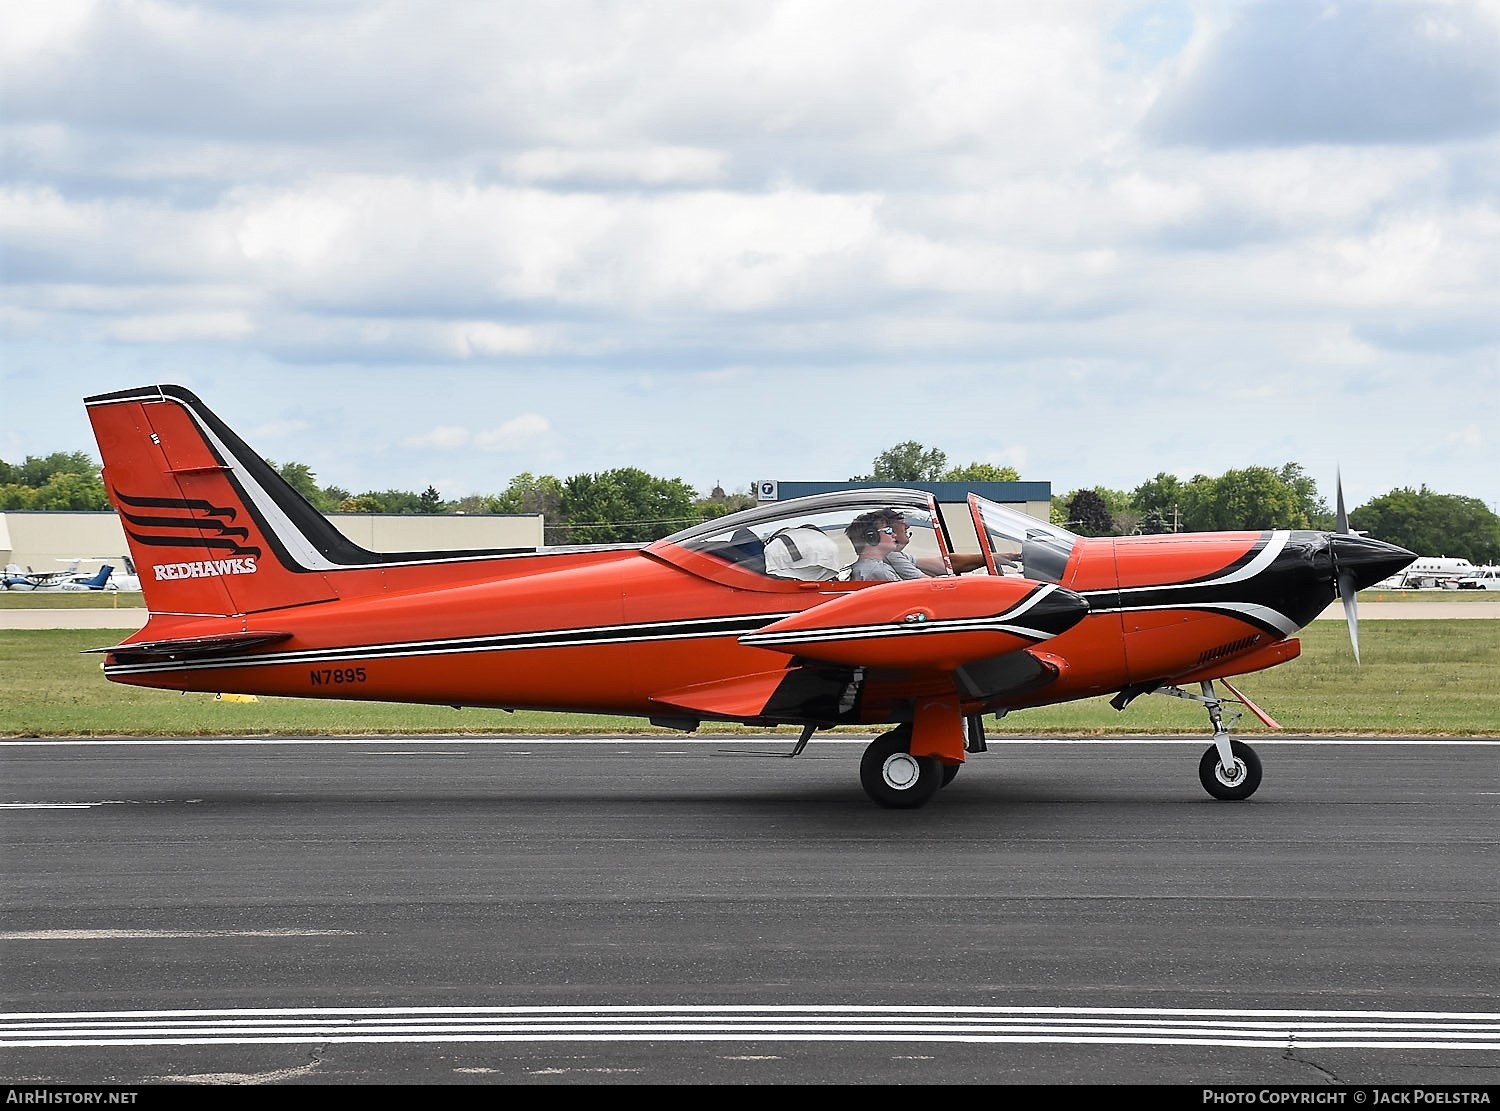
[187,523]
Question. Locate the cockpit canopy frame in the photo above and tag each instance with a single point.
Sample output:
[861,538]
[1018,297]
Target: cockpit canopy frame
[799,540]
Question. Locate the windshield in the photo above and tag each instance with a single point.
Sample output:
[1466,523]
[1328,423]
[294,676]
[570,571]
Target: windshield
[1019,543]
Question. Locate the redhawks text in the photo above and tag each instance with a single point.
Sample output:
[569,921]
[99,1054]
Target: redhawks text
[204,568]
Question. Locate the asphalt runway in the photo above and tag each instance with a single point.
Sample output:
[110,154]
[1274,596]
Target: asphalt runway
[627,911]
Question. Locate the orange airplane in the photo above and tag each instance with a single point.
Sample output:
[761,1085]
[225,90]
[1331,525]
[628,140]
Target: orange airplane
[759,617]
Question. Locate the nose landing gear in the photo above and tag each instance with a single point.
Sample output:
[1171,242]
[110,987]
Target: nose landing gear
[1229,770]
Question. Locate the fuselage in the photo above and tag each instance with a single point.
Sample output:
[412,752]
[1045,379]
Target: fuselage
[604,632]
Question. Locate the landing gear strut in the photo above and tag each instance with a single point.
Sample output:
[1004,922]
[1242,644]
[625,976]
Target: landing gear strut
[1229,770]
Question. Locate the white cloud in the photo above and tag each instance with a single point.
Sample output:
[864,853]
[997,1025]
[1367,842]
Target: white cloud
[649,166]
[744,219]
[446,438]
[177,327]
[515,435]
[272,431]
[479,338]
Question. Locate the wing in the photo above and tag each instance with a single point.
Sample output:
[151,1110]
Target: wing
[936,624]
[976,637]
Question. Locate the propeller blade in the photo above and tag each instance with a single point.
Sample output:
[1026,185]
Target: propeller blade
[1345,579]
[1351,610]
[1359,561]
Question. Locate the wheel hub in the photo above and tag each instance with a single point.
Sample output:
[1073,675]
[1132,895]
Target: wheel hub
[900,771]
[1234,776]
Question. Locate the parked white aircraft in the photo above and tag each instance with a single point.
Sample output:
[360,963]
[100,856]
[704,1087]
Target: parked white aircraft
[107,577]
[71,579]
[1428,573]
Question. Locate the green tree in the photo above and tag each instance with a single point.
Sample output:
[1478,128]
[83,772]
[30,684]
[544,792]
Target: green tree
[1088,514]
[363,503]
[980,472]
[1158,503]
[431,501]
[471,505]
[1199,505]
[1258,498]
[37,470]
[624,506]
[1251,498]
[14,495]
[1314,508]
[529,493]
[72,492]
[61,480]
[300,477]
[721,504]
[395,501]
[1122,514]
[1432,524]
[906,462]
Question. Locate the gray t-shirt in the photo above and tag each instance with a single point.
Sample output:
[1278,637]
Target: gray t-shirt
[904,566]
[874,570]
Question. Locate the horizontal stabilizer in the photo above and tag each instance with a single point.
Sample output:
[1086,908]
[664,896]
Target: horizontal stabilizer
[173,649]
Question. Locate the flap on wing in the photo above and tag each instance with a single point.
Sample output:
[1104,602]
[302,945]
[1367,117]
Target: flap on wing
[824,694]
[1008,674]
[173,649]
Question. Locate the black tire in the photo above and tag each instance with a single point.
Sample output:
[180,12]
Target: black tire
[950,773]
[1231,789]
[895,779]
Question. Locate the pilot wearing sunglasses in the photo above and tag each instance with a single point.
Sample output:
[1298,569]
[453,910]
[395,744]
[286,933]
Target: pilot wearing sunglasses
[874,538]
[907,566]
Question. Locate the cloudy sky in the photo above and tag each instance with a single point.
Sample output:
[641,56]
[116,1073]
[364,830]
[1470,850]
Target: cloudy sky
[412,243]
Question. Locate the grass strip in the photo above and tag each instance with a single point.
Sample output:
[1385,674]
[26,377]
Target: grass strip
[1429,678]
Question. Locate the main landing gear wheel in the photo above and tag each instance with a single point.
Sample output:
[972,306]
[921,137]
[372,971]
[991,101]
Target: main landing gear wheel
[893,777]
[950,773]
[1233,785]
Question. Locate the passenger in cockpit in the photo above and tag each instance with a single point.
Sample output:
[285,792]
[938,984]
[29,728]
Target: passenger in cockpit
[874,539]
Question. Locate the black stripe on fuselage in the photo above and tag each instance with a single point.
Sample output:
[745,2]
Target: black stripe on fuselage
[646,633]
[1278,586]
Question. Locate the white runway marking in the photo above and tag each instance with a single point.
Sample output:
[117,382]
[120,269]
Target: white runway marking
[110,935]
[93,803]
[1273,1029]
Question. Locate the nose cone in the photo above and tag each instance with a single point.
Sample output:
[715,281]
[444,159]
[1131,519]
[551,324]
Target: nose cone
[1367,560]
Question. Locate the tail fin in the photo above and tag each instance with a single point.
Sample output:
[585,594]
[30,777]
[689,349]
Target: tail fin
[99,579]
[212,528]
